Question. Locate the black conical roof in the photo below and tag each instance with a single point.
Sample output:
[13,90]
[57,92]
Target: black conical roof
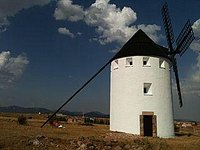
[141,45]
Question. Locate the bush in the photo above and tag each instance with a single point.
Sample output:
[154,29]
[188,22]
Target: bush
[61,119]
[30,117]
[22,120]
[176,128]
[52,120]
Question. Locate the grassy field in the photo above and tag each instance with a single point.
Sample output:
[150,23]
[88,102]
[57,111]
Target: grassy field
[74,136]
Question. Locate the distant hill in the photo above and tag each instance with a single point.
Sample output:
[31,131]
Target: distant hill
[18,109]
[185,120]
[96,114]
[70,113]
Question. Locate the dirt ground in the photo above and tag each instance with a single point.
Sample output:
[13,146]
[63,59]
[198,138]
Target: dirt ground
[80,137]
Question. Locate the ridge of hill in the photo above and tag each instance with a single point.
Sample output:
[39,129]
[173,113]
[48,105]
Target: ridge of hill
[18,109]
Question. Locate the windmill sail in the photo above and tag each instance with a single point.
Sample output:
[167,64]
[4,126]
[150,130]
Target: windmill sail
[170,40]
[185,38]
[177,82]
[168,27]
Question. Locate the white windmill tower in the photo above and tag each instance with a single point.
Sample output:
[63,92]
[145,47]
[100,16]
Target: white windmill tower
[140,92]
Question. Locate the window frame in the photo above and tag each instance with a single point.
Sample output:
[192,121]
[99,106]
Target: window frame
[147,89]
[162,63]
[129,62]
[147,60]
[116,64]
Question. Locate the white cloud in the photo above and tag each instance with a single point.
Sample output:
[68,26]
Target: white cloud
[110,22]
[115,50]
[3,24]
[11,68]
[195,46]
[65,31]
[9,8]
[196,28]
[152,31]
[79,33]
[66,10]
[196,75]
[196,43]
[191,85]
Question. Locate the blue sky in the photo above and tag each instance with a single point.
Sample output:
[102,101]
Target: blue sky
[48,49]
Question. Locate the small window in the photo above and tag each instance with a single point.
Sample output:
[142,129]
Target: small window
[115,65]
[129,61]
[146,61]
[147,89]
[162,63]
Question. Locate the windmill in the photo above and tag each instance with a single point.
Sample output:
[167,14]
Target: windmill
[142,91]
[183,41]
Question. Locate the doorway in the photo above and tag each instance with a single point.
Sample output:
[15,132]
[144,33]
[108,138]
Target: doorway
[148,124]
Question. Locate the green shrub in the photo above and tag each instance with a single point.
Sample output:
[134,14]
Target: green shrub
[52,120]
[22,120]
[61,119]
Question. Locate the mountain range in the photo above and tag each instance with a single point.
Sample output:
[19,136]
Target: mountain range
[18,109]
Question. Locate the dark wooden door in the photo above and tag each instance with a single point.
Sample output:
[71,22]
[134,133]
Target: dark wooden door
[148,125]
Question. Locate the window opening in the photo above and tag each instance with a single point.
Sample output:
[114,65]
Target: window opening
[116,65]
[147,89]
[146,61]
[162,63]
[129,61]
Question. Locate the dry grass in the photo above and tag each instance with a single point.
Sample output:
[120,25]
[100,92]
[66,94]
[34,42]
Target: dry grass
[15,136]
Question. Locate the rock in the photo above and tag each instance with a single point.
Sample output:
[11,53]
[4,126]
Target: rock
[82,147]
[79,143]
[127,146]
[107,147]
[133,146]
[72,142]
[92,138]
[91,147]
[118,148]
[40,137]
[51,143]
[139,148]
[36,142]
[81,138]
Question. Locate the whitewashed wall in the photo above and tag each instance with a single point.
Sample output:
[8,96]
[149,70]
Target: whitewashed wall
[127,100]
